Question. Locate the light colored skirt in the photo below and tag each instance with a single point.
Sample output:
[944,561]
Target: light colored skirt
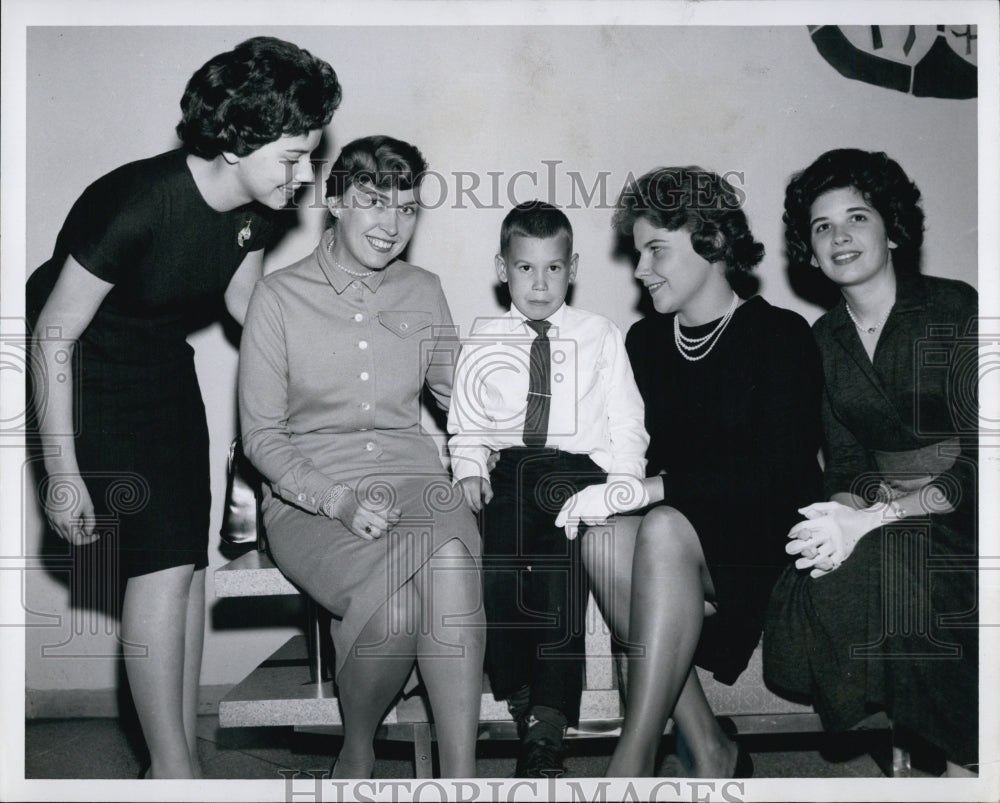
[352,577]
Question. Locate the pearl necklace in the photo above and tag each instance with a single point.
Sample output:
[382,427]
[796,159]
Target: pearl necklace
[868,330]
[686,346]
[361,275]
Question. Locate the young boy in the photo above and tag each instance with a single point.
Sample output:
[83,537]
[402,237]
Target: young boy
[549,387]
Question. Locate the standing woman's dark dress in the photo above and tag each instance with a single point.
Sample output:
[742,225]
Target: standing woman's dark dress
[141,435]
[737,435]
[895,626]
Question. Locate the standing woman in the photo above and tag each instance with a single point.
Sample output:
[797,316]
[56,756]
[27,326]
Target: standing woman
[359,510]
[865,622]
[732,392]
[144,252]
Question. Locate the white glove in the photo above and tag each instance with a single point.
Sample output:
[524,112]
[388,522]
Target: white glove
[829,534]
[595,504]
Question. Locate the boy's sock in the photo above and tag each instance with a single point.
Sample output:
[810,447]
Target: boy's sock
[519,705]
[546,723]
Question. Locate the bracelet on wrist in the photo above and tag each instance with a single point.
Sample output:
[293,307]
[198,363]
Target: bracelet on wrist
[331,498]
[895,510]
[886,510]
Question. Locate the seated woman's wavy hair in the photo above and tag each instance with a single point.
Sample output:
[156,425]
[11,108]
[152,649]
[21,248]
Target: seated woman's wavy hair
[253,94]
[376,161]
[700,201]
[884,186]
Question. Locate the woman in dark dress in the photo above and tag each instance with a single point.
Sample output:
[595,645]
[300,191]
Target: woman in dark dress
[880,611]
[143,254]
[732,391]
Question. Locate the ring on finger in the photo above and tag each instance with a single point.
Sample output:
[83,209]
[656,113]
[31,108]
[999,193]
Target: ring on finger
[368,529]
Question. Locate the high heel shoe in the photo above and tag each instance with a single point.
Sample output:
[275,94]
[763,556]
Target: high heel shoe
[354,772]
[744,763]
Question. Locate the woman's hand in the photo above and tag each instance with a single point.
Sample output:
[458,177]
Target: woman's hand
[828,535]
[69,508]
[477,492]
[70,308]
[595,504]
[362,518]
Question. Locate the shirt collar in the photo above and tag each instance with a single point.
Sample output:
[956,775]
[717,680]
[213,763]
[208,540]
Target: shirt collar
[517,320]
[910,295]
[339,279]
[910,292]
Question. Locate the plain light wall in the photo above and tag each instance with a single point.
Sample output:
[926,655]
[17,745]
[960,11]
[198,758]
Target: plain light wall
[548,100]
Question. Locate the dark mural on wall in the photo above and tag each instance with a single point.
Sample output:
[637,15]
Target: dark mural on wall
[937,61]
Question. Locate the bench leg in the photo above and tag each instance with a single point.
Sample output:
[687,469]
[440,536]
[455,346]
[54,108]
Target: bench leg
[422,755]
[317,644]
[313,643]
[900,762]
[894,762]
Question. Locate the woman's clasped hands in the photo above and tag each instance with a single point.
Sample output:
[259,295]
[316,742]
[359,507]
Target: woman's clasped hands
[828,535]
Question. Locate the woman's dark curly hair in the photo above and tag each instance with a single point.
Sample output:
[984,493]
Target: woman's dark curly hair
[378,161]
[253,94]
[700,201]
[883,185]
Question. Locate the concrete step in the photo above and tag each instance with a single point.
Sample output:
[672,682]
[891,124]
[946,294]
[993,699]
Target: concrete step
[252,574]
[279,692]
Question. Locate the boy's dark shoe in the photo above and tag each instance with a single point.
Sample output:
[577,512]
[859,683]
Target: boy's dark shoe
[540,758]
[541,754]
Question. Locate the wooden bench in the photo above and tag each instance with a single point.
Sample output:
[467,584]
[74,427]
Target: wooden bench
[290,688]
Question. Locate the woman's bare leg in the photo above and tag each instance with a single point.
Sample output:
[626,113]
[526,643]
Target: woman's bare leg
[194,641]
[368,683]
[607,552]
[450,653]
[155,615]
[711,753]
[665,582]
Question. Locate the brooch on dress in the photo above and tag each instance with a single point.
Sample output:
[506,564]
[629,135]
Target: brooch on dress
[244,234]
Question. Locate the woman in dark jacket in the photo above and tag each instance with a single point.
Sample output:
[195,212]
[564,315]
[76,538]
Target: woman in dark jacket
[880,611]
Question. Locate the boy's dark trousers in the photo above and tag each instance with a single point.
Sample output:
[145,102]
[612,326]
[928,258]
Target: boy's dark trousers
[534,586]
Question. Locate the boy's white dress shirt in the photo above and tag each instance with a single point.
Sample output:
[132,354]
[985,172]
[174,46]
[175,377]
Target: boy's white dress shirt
[595,408]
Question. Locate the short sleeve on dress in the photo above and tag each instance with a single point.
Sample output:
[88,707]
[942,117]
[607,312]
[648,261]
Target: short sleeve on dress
[108,228]
[267,229]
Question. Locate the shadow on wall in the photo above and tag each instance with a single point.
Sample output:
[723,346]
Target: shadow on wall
[811,284]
